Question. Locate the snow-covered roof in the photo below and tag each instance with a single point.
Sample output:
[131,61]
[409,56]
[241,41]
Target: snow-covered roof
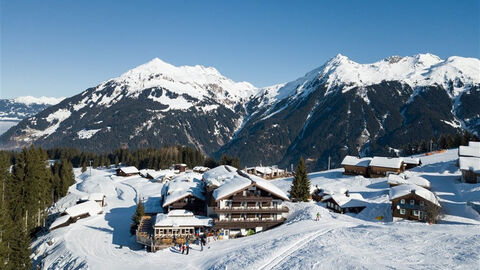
[90,207]
[239,182]
[344,201]
[161,174]
[59,221]
[411,160]
[469,151]
[469,164]
[177,218]
[266,170]
[386,162]
[403,190]
[144,172]
[474,144]
[153,205]
[394,179]
[230,186]
[182,186]
[355,161]
[129,169]
[217,175]
[96,196]
[268,186]
[200,169]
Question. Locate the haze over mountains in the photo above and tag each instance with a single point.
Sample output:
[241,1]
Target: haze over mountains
[342,107]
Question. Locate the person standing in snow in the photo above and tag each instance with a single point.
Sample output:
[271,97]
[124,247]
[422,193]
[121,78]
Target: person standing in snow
[318,216]
[187,246]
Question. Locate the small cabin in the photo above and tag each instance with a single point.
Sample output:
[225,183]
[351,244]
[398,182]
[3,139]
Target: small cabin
[356,166]
[200,169]
[270,172]
[127,171]
[413,203]
[383,166]
[345,202]
[470,168]
[76,212]
[411,162]
[181,167]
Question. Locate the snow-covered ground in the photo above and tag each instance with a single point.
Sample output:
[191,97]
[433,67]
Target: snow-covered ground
[335,242]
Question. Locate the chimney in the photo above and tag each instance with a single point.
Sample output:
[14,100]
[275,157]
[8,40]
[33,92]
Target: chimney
[412,191]
[346,193]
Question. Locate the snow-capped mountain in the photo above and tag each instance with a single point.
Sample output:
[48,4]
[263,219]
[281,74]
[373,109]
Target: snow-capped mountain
[361,109]
[341,107]
[151,105]
[13,111]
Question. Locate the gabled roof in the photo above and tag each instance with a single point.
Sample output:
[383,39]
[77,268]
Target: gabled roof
[394,179]
[474,144]
[266,170]
[355,161]
[344,201]
[386,162]
[242,181]
[200,169]
[403,190]
[59,221]
[89,207]
[182,186]
[176,218]
[161,174]
[129,169]
[468,151]
[469,164]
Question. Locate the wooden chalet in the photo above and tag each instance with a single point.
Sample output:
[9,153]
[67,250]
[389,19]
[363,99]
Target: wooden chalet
[470,168]
[180,167]
[186,192]
[356,166]
[345,202]
[382,166]
[270,172]
[246,202]
[411,162]
[76,212]
[127,171]
[164,230]
[412,202]
[200,169]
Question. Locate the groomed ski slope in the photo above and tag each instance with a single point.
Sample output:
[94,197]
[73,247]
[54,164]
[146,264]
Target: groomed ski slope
[335,242]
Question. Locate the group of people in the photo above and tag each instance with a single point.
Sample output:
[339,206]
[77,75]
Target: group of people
[185,248]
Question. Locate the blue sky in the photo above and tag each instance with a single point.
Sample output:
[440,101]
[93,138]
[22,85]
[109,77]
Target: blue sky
[60,48]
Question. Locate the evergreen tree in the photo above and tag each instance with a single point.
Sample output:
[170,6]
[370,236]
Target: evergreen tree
[84,167]
[442,142]
[300,189]
[423,147]
[451,143]
[137,217]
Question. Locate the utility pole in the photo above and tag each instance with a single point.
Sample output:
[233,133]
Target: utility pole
[328,162]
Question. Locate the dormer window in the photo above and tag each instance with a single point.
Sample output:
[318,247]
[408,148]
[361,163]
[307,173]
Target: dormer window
[402,201]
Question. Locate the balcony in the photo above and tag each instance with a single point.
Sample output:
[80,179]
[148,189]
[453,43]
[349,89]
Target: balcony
[255,209]
[251,198]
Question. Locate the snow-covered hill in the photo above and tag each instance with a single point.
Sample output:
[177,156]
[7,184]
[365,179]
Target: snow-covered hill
[335,242]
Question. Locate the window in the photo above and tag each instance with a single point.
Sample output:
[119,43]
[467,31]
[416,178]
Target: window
[415,213]
[412,202]
[402,211]
[422,203]
[402,201]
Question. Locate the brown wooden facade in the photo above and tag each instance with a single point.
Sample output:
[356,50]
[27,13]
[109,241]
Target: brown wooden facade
[411,207]
[190,203]
[375,171]
[122,173]
[335,207]
[470,176]
[355,170]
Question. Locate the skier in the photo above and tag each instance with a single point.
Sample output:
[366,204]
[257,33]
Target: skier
[187,247]
[318,216]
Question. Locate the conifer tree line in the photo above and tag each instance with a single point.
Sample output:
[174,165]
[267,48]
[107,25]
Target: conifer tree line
[149,158]
[28,186]
[444,141]
[300,189]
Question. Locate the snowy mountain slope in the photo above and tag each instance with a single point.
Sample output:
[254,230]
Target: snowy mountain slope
[13,111]
[151,105]
[340,108]
[360,109]
[335,242]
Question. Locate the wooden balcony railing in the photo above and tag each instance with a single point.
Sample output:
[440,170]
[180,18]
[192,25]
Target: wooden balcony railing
[254,209]
[251,198]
